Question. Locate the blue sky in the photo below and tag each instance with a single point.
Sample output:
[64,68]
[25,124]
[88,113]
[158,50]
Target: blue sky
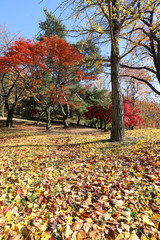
[23,16]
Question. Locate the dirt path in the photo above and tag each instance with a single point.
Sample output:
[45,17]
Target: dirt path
[25,125]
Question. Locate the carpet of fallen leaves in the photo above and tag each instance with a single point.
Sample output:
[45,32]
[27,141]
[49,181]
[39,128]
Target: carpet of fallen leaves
[80,186]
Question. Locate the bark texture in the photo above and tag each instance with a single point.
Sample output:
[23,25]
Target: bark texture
[117,132]
[48,122]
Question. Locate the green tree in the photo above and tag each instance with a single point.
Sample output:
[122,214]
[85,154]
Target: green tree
[51,26]
[87,97]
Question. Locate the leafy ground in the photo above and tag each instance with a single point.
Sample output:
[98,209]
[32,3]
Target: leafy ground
[76,186]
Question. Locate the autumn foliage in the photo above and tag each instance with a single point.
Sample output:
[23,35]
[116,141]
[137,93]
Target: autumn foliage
[43,69]
[79,186]
[131,114]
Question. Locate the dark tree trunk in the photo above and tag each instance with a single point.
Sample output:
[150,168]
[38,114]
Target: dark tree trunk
[101,124]
[48,122]
[65,123]
[9,122]
[96,123]
[117,132]
[79,119]
[2,106]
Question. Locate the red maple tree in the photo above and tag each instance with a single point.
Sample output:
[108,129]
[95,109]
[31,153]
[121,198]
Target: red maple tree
[131,114]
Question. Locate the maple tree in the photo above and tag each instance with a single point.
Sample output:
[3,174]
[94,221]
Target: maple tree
[42,68]
[131,114]
[62,68]
[16,61]
[54,26]
[6,39]
[150,112]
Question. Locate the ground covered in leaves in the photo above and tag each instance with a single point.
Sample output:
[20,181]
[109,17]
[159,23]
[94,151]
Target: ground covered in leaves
[55,186]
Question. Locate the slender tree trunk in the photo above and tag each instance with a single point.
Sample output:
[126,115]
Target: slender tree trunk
[79,119]
[101,124]
[48,122]
[3,110]
[117,132]
[65,113]
[39,118]
[96,123]
[9,122]
[2,106]
[65,123]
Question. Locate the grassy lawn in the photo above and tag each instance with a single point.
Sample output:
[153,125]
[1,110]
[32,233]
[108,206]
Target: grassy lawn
[79,186]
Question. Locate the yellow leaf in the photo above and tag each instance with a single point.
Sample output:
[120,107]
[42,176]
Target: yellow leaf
[89,220]
[45,236]
[156,217]
[81,210]
[79,237]
[8,215]
[147,221]
[69,219]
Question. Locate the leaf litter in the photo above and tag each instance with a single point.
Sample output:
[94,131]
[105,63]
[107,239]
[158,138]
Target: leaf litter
[80,187]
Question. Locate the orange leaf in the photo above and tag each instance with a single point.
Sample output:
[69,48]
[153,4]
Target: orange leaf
[19,192]
[5,210]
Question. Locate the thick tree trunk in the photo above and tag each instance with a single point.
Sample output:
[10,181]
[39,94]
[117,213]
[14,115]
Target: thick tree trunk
[48,122]
[117,132]
[9,122]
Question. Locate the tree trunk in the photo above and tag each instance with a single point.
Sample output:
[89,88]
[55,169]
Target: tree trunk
[117,132]
[101,124]
[79,119]
[65,123]
[96,124]
[65,113]
[9,122]
[2,106]
[48,122]
[39,118]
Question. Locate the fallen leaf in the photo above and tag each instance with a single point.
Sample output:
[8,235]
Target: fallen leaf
[12,236]
[68,231]
[134,236]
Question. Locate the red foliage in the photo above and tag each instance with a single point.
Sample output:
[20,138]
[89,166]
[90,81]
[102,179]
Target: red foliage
[131,114]
[21,56]
[99,112]
[26,59]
